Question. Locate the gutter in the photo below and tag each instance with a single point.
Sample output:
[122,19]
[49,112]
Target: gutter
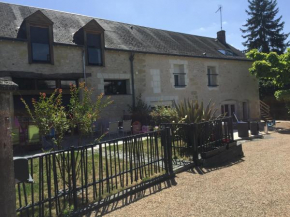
[131,58]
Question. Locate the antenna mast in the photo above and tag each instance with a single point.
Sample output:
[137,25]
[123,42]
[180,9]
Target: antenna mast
[221,15]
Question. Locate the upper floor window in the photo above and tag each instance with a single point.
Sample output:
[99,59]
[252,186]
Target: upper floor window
[40,44]
[179,75]
[212,76]
[94,49]
[38,30]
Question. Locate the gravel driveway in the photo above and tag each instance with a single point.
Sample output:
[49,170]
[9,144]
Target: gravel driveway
[258,185]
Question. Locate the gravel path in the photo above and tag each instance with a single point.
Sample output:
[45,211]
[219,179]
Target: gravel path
[258,185]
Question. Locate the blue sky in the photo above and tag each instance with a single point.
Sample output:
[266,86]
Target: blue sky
[196,17]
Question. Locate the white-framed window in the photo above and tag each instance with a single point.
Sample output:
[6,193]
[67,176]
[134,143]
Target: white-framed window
[212,76]
[179,75]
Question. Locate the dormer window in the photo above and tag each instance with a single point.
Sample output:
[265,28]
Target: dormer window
[91,36]
[94,49]
[40,47]
[39,34]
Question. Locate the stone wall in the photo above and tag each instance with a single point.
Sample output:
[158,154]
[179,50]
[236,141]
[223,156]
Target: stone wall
[153,77]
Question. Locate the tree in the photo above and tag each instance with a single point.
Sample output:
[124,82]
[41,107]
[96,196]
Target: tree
[262,30]
[49,112]
[275,69]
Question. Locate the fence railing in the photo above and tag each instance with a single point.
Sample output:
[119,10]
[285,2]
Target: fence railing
[192,141]
[71,179]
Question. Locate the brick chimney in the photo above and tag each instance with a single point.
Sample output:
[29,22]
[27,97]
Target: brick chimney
[221,36]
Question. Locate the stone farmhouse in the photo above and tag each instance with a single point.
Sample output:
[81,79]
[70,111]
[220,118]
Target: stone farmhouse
[43,49]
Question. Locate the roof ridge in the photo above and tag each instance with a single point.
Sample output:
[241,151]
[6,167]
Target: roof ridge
[107,20]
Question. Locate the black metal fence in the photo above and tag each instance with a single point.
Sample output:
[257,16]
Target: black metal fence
[192,142]
[68,180]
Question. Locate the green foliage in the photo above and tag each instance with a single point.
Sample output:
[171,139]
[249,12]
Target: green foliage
[262,30]
[140,112]
[68,211]
[273,70]
[49,113]
[140,107]
[83,111]
[192,112]
[163,114]
[272,66]
[283,95]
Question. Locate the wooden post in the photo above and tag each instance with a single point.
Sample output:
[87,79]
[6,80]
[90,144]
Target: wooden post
[7,183]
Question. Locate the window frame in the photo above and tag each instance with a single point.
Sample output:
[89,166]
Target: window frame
[116,80]
[177,75]
[101,33]
[209,82]
[35,89]
[50,36]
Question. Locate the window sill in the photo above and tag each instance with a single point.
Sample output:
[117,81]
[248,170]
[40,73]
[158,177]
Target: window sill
[117,94]
[40,62]
[94,65]
[179,86]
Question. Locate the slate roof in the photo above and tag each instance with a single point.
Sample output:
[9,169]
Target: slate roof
[118,36]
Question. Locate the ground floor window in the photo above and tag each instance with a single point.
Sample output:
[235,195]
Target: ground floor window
[228,109]
[43,84]
[115,87]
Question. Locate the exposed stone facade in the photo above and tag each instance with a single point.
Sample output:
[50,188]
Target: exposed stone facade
[153,77]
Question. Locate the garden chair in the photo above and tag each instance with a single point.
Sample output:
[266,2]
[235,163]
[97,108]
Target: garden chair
[127,128]
[113,128]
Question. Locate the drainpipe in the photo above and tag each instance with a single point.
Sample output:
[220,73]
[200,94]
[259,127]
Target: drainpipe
[84,66]
[131,58]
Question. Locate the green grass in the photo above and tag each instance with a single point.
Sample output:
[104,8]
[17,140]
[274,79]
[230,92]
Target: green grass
[110,166]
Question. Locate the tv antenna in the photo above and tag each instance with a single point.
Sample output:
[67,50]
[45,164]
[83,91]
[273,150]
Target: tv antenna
[221,15]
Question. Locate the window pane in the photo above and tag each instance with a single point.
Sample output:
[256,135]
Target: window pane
[176,83]
[212,76]
[39,35]
[25,84]
[39,38]
[233,110]
[181,80]
[40,52]
[213,80]
[94,56]
[227,110]
[113,87]
[65,84]
[178,68]
[46,84]
[94,40]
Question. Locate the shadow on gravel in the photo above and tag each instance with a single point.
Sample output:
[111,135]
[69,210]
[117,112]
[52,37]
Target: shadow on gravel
[132,198]
[203,170]
[283,130]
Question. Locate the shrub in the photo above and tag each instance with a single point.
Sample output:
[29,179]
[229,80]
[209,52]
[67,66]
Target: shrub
[163,114]
[190,111]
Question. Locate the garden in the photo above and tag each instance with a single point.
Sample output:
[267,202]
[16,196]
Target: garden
[68,181]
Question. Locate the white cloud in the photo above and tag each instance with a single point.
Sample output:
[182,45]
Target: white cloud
[209,30]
